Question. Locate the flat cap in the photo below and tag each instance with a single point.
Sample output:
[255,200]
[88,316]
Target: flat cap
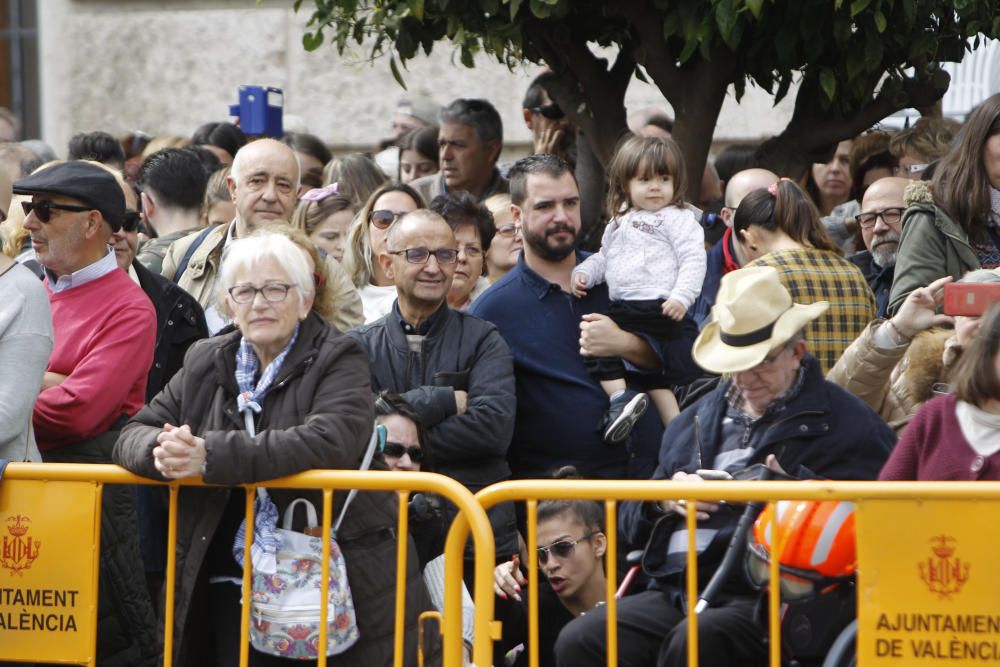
[93,185]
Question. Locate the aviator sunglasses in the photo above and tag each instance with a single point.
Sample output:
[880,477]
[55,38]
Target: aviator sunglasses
[561,549]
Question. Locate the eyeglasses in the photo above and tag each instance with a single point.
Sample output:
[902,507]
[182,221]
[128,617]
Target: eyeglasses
[397,449]
[422,255]
[550,111]
[507,230]
[273,292]
[383,218]
[768,361]
[561,549]
[43,209]
[903,170]
[132,220]
[890,216]
[471,251]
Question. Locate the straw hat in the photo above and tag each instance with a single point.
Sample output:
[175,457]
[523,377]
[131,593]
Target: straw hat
[753,314]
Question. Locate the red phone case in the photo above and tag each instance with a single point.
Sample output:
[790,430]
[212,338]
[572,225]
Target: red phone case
[970,299]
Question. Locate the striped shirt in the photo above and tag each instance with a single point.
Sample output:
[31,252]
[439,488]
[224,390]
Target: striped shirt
[812,275]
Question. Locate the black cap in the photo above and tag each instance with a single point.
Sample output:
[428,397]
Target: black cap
[93,185]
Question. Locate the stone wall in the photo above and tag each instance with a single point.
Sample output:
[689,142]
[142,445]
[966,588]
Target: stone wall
[166,67]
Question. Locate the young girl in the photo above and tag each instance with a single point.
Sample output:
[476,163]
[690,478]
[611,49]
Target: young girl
[653,259]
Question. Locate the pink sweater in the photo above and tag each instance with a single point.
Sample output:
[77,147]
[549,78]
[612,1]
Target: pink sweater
[105,331]
[933,448]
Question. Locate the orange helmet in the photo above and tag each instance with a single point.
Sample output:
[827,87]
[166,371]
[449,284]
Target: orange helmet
[817,544]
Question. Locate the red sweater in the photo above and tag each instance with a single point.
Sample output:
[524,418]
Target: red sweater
[933,448]
[105,331]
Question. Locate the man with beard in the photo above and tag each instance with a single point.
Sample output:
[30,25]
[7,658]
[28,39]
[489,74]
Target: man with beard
[881,221]
[547,330]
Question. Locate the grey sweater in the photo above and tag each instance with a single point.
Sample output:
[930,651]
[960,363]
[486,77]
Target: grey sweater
[25,344]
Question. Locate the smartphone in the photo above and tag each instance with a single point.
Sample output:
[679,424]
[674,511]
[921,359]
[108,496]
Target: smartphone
[970,299]
[712,474]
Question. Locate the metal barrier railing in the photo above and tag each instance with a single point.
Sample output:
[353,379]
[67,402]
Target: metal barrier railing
[613,491]
[327,481]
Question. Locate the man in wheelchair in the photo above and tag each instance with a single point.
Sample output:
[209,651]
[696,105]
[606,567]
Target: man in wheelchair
[776,409]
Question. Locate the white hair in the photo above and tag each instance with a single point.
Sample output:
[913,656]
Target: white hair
[246,253]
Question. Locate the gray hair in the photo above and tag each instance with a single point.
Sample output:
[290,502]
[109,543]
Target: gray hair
[480,115]
[248,252]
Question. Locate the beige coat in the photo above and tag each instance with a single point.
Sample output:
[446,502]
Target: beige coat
[199,277]
[895,382]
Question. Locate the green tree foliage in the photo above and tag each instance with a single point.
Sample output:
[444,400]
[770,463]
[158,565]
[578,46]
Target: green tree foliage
[851,56]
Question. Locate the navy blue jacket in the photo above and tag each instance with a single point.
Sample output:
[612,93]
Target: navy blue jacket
[714,270]
[823,432]
[879,279]
[559,405]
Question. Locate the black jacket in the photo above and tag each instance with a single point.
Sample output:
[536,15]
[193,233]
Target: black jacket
[459,352]
[180,321]
[823,432]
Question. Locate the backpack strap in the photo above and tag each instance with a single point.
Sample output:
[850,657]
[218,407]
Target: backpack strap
[190,251]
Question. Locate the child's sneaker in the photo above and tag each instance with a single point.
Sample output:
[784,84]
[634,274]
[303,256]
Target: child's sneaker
[623,412]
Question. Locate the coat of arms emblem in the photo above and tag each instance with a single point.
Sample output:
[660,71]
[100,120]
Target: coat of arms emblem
[943,573]
[19,550]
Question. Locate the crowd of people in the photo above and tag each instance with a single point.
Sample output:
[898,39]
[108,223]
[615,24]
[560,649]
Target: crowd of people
[242,309]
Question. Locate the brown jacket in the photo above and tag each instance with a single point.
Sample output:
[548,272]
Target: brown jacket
[319,414]
[895,382]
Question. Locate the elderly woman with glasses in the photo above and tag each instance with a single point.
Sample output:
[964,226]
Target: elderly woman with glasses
[282,393]
[366,239]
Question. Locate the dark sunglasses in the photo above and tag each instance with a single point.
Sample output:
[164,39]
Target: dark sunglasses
[550,111]
[132,220]
[383,218]
[561,549]
[396,451]
[43,209]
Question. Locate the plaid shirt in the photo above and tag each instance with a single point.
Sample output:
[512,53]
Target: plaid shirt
[812,275]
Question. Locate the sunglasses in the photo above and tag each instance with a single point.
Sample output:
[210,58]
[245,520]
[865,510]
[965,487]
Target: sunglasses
[383,218]
[562,549]
[43,209]
[422,255]
[550,111]
[132,220]
[396,451]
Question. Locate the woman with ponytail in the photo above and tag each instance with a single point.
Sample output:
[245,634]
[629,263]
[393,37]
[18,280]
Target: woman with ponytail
[779,226]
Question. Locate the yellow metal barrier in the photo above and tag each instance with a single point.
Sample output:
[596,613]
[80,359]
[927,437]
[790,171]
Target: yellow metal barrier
[327,481]
[613,491]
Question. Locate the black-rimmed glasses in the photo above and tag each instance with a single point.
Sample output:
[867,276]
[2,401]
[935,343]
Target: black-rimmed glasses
[272,292]
[890,216]
[397,449]
[43,209]
[561,549]
[422,255]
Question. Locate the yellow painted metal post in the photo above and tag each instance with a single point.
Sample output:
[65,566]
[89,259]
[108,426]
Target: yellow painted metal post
[532,592]
[774,587]
[611,530]
[324,587]
[251,492]
[171,580]
[692,582]
[401,546]
[97,571]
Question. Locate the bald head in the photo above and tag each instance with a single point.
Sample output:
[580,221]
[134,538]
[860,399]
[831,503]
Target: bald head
[743,183]
[884,192]
[415,223]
